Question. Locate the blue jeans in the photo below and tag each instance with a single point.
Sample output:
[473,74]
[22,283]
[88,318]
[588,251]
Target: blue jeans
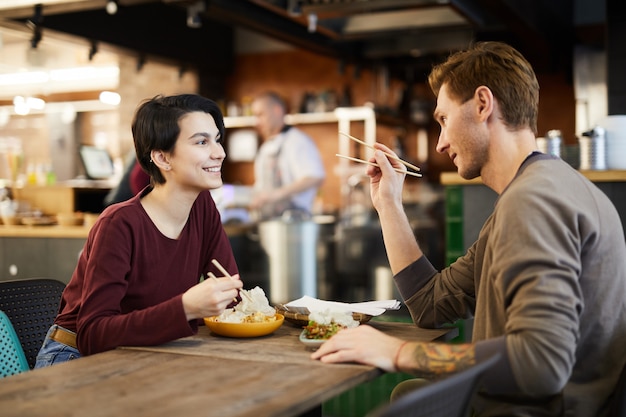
[53,352]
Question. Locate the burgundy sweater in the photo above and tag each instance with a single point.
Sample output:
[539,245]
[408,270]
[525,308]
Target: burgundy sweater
[128,284]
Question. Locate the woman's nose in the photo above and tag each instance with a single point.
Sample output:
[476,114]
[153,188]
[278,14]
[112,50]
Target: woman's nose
[218,152]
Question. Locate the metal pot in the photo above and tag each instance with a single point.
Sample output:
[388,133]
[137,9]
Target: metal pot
[291,246]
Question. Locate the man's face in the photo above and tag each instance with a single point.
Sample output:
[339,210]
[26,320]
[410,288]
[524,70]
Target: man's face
[462,136]
[269,117]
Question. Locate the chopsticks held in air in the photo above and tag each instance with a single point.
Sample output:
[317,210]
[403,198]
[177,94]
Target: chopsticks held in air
[415,174]
[390,156]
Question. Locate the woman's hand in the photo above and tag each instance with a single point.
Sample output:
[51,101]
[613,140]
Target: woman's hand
[211,297]
[362,344]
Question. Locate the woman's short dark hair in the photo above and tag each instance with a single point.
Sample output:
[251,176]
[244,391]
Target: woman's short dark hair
[155,125]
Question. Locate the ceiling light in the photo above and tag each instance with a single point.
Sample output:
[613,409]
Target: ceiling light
[83,73]
[30,77]
[35,23]
[23,106]
[111,7]
[110,97]
[68,113]
[93,50]
[36,103]
[294,8]
[4,116]
[312,22]
[194,20]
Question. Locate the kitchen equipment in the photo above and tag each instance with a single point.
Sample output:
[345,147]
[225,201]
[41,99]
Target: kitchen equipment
[554,140]
[615,126]
[593,149]
[291,245]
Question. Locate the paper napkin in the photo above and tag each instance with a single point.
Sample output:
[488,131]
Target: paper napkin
[373,308]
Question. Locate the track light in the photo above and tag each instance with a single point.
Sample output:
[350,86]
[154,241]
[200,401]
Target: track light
[93,50]
[35,24]
[141,61]
[294,8]
[111,7]
[194,20]
[312,20]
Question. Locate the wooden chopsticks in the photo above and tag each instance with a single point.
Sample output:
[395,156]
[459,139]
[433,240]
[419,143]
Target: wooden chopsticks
[415,174]
[389,155]
[223,271]
[221,268]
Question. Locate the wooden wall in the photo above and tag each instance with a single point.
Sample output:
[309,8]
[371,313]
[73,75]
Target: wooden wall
[296,72]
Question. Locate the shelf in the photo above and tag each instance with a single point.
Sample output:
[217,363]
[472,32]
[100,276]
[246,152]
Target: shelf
[340,113]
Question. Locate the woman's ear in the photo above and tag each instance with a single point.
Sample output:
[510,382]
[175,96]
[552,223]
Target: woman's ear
[160,159]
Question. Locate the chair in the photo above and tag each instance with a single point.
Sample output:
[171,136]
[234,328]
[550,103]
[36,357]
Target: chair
[31,305]
[618,404]
[449,397]
[12,359]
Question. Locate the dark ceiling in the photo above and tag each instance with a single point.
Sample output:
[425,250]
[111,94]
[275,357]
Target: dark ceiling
[407,36]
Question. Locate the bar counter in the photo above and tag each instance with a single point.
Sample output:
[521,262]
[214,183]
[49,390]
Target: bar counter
[453,178]
[469,203]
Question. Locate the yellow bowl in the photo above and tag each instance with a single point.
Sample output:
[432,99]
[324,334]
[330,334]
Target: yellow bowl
[243,329]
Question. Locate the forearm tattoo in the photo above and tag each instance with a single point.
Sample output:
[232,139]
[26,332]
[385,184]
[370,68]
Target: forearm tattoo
[431,360]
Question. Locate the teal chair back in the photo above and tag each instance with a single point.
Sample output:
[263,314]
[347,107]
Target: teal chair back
[12,358]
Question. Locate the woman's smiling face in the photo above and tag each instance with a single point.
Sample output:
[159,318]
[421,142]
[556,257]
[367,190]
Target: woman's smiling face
[197,158]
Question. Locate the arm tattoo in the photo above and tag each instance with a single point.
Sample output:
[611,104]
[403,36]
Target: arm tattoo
[431,360]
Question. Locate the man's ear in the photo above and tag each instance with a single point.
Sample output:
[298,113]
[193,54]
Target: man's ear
[485,102]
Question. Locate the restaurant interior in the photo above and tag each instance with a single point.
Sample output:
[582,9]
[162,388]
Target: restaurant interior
[73,71]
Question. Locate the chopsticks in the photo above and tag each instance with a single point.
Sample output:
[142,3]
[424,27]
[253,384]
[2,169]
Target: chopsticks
[221,268]
[223,271]
[415,174]
[389,155]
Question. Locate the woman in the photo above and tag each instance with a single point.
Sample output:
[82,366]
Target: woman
[139,279]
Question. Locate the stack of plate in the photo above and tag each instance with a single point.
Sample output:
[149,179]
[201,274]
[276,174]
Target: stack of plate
[615,141]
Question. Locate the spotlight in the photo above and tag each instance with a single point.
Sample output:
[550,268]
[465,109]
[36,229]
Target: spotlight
[34,41]
[93,50]
[141,61]
[312,19]
[294,8]
[35,23]
[194,20]
[111,7]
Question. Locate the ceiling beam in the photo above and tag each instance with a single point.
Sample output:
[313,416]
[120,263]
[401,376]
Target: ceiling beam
[155,30]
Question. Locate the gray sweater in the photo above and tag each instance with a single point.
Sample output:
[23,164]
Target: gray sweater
[546,285]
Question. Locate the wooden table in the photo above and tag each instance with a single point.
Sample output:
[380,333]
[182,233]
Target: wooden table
[202,375]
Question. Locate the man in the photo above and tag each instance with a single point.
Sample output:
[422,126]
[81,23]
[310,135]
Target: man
[546,279]
[288,168]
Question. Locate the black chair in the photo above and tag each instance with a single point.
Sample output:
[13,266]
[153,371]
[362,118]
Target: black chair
[31,305]
[618,405]
[449,397]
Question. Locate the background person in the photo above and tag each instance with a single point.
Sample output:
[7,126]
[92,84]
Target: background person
[133,180]
[288,168]
[546,279]
[137,281]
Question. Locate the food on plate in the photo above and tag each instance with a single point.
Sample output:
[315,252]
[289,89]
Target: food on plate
[253,308]
[324,324]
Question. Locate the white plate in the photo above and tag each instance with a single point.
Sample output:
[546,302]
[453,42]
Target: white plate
[310,343]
